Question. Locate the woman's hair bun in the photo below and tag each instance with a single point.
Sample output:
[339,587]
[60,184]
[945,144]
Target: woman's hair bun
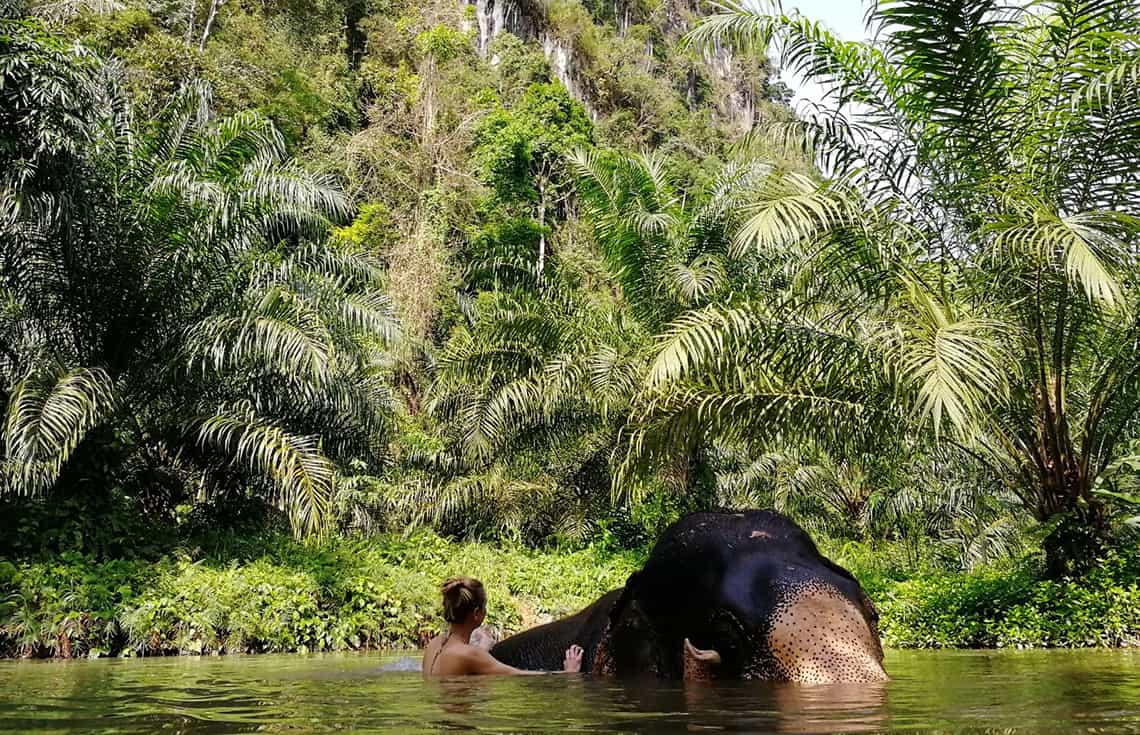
[462,596]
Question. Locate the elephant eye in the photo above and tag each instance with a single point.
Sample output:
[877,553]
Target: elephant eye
[722,632]
[870,606]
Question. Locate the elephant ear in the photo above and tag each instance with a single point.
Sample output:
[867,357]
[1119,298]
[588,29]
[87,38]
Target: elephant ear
[872,612]
[627,596]
[632,644]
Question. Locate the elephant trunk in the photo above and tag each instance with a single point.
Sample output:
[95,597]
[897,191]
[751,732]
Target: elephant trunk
[819,636]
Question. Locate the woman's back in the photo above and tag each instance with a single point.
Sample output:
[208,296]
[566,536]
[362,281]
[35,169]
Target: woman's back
[452,654]
[448,657]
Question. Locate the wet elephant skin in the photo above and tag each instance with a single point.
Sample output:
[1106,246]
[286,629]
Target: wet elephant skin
[751,586]
[542,648]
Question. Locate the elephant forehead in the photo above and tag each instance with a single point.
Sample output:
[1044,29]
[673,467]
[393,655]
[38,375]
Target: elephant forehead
[754,583]
[746,586]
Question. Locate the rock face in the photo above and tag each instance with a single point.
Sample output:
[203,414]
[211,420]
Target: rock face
[739,105]
[523,18]
[493,17]
[563,63]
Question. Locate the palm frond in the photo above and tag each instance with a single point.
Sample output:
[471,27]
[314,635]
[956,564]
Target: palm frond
[961,366]
[748,26]
[295,464]
[66,9]
[280,332]
[792,208]
[697,280]
[47,417]
[1082,244]
[696,339]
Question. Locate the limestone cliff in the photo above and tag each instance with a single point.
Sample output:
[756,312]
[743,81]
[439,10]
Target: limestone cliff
[736,91]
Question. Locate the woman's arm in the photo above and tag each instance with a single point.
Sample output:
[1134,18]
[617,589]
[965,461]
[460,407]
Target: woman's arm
[480,662]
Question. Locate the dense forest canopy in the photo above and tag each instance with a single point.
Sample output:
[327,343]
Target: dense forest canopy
[561,271]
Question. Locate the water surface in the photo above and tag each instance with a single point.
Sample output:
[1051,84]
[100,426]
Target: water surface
[931,692]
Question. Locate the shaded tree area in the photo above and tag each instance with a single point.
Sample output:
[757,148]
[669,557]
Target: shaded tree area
[173,309]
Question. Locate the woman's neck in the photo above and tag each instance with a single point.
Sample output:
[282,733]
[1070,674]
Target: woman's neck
[461,631]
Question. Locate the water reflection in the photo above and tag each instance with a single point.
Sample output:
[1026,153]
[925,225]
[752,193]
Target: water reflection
[750,706]
[460,698]
[845,708]
[963,692]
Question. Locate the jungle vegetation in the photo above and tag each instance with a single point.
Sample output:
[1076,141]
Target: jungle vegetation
[348,269]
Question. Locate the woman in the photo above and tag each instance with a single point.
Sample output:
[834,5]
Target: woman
[451,654]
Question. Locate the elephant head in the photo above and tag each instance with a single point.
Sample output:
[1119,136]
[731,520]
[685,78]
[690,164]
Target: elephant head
[746,596]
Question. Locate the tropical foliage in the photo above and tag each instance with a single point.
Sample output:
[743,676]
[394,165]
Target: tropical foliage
[343,270]
[340,595]
[277,595]
[173,312]
[967,263]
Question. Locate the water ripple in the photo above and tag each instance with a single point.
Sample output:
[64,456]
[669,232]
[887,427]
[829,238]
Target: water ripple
[932,692]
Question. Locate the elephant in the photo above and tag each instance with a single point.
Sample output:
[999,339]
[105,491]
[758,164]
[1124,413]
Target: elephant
[721,595]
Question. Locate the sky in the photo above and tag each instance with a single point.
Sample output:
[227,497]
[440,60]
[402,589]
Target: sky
[843,17]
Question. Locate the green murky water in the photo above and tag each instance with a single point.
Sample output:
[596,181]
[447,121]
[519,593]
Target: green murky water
[931,692]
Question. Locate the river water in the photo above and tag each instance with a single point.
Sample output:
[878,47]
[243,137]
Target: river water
[930,692]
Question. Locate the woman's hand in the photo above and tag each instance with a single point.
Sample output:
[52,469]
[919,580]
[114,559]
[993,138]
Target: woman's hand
[573,661]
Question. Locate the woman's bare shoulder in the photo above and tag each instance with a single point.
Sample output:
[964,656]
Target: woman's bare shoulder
[456,659]
[465,651]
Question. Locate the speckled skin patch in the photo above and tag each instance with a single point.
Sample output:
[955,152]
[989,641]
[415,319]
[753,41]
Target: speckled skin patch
[603,661]
[818,636]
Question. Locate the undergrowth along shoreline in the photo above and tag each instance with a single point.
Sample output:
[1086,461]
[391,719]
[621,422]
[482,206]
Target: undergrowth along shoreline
[337,595]
[383,593]
[1004,606]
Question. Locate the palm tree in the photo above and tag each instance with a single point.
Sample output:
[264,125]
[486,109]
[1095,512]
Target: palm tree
[540,384]
[966,265]
[171,302]
[532,392]
[912,494]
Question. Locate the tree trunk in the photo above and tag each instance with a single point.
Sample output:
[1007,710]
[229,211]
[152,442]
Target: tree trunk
[427,107]
[542,229]
[1077,540]
[411,390]
[191,20]
[354,38]
[1080,521]
[214,7]
[1064,488]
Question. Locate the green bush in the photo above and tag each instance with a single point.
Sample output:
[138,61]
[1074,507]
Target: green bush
[69,606]
[337,595]
[999,608]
